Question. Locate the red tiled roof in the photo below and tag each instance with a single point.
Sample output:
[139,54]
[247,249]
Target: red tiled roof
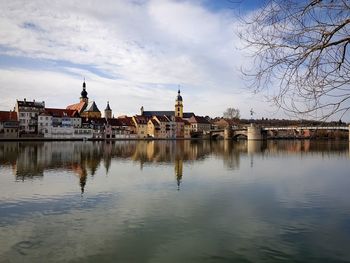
[126,121]
[114,122]
[140,119]
[198,119]
[62,112]
[78,106]
[8,116]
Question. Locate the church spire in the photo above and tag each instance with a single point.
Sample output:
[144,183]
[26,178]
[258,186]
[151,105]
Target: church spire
[84,93]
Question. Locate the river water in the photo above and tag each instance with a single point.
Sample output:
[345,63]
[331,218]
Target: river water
[175,201]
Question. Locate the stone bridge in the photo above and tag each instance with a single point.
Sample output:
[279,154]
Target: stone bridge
[253,132]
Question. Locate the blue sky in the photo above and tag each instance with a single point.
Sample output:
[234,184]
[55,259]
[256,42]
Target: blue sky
[131,53]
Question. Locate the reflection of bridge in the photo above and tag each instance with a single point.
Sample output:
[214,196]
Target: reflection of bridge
[228,134]
[253,132]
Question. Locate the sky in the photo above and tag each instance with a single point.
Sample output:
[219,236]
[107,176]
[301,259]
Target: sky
[131,53]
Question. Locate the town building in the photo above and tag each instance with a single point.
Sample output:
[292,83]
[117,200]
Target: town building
[187,129]
[55,123]
[164,124]
[119,129]
[199,124]
[27,114]
[8,124]
[86,108]
[178,110]
[167,128]
[183,128]
[153,128]
[127,124]
[141,124]
[113,128]
[97,125]
[223,123]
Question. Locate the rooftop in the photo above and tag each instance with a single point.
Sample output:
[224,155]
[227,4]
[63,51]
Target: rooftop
[92,107]
[35,104]
[186,115]
[61,112]
[198,119]
[8,116]
[77,106]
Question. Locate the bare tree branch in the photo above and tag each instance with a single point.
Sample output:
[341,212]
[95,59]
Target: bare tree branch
[300,51]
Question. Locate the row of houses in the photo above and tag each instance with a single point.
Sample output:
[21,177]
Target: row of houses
[83,120]
[33,119]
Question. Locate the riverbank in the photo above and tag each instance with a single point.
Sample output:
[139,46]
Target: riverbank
[33,139]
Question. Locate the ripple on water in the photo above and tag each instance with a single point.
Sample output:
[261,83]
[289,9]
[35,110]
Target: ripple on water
[23,247]
[275,255]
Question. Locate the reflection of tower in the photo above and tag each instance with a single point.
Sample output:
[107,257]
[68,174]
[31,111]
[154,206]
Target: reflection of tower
[81,171]
[254,147]
[178,105]
[82,180]
[178,171]
[107,155]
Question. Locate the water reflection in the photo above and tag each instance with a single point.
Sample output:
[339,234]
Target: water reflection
[183,201]
[29,160]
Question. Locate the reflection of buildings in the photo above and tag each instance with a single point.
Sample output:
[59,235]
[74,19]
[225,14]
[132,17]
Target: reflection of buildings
[31,160]
[82,173]
[178,172]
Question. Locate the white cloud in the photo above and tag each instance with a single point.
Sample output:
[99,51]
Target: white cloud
[147,46]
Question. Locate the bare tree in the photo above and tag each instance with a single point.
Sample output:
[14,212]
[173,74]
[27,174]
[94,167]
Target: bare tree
[232,113]
[300,50]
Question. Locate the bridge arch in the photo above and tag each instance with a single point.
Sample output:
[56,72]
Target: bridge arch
[217,136]
[239,134]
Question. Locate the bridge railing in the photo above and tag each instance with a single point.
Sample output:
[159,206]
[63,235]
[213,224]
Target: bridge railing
[345,128]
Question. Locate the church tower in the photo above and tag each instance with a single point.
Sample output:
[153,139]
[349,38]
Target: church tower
[108,111]
[178,105]
[84,97]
